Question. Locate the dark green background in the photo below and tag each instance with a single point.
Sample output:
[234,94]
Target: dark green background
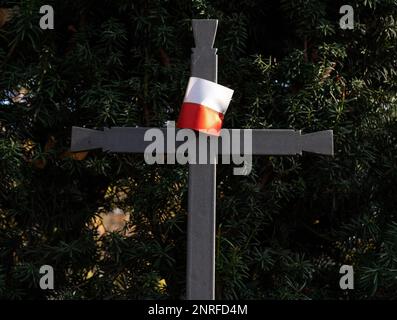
[283,232]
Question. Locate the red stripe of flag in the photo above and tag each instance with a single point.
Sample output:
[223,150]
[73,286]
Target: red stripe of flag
[201,118]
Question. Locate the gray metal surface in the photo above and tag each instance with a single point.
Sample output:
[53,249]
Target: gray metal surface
[200,266]
[264,141]
[202,177]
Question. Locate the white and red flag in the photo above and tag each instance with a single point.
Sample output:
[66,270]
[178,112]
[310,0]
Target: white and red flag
[204,106]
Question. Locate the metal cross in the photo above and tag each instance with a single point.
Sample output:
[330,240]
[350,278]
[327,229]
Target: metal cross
[202,177]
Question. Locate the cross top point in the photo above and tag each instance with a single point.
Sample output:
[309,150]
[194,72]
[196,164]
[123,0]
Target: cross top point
[204,31]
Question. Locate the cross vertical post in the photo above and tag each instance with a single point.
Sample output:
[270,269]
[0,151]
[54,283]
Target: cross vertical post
[200,279]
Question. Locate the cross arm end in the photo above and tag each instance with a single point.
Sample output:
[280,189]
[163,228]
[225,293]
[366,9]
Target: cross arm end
[321,142]
[86,139]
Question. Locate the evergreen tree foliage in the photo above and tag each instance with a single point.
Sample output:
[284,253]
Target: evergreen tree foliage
[283,232]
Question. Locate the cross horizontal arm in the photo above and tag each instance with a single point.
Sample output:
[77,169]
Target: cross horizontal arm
[264,141]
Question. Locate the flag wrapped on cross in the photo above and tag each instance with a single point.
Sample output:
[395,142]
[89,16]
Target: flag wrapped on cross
[204,106]
[203,109]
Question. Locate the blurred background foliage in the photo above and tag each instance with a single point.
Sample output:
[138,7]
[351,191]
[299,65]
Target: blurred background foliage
[115,228]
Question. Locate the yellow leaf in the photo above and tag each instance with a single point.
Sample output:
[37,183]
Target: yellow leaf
[90,274]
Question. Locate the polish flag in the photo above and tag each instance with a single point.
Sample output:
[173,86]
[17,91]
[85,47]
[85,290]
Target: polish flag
[204,106]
